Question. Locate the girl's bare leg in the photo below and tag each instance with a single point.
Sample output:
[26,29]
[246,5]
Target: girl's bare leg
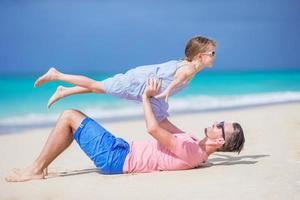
[66,91]
[59,139]
[82,81]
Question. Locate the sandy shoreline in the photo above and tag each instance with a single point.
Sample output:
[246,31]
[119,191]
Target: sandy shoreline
[268,168]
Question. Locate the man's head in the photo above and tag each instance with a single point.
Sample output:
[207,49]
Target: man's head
[228,136]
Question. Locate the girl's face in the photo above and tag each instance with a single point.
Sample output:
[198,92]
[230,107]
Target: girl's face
[208,57]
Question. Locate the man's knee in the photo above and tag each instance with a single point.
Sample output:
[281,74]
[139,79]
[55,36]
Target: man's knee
[69,114]
[73,117]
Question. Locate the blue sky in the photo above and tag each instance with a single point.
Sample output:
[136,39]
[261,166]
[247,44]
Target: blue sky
[113,36]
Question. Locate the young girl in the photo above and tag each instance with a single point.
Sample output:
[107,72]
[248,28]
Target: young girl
[174,76]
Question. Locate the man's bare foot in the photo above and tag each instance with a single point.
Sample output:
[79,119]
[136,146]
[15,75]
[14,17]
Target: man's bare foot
[58,94]
[25,175]
[18,171]
[50,75]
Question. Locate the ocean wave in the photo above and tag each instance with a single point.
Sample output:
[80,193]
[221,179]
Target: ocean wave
[176,105]
[232,101]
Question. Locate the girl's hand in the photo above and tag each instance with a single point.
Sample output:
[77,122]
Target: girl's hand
[152,87]
[165,94]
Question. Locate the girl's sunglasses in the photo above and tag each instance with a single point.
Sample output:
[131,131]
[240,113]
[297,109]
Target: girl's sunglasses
[211,53]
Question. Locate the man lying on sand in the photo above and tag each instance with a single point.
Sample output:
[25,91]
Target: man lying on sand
[171,148]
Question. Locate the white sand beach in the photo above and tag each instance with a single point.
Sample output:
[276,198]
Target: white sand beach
[268,168]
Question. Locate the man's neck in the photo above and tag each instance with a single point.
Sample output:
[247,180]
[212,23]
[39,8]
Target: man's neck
[207,147]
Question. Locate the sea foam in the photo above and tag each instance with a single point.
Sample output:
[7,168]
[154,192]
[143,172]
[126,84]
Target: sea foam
[176,105]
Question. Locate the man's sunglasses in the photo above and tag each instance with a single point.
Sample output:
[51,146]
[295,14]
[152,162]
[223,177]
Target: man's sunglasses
[221,126]
[211,53]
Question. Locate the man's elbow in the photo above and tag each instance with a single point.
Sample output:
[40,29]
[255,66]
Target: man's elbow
[152,129]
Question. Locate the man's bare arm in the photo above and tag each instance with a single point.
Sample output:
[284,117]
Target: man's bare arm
[163,136]
[166,124]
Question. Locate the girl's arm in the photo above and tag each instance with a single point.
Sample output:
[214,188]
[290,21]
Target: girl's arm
[181,76]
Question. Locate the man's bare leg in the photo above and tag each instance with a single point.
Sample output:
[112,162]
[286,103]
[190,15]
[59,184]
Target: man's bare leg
[62,92]
[59,139]
[82,81]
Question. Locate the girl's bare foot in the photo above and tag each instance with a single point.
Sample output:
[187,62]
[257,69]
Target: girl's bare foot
[26,175]
[58,94]
[50,75]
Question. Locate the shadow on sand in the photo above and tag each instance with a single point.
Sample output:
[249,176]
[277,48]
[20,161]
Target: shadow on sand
[219,159]
[72,173]
[223,159]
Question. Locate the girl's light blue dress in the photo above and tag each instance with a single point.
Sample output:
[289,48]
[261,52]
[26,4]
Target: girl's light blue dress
[131,84]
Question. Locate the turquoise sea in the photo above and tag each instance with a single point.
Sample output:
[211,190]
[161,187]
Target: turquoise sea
[23,106]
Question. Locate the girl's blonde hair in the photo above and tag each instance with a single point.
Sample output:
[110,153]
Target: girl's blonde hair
[197,44]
